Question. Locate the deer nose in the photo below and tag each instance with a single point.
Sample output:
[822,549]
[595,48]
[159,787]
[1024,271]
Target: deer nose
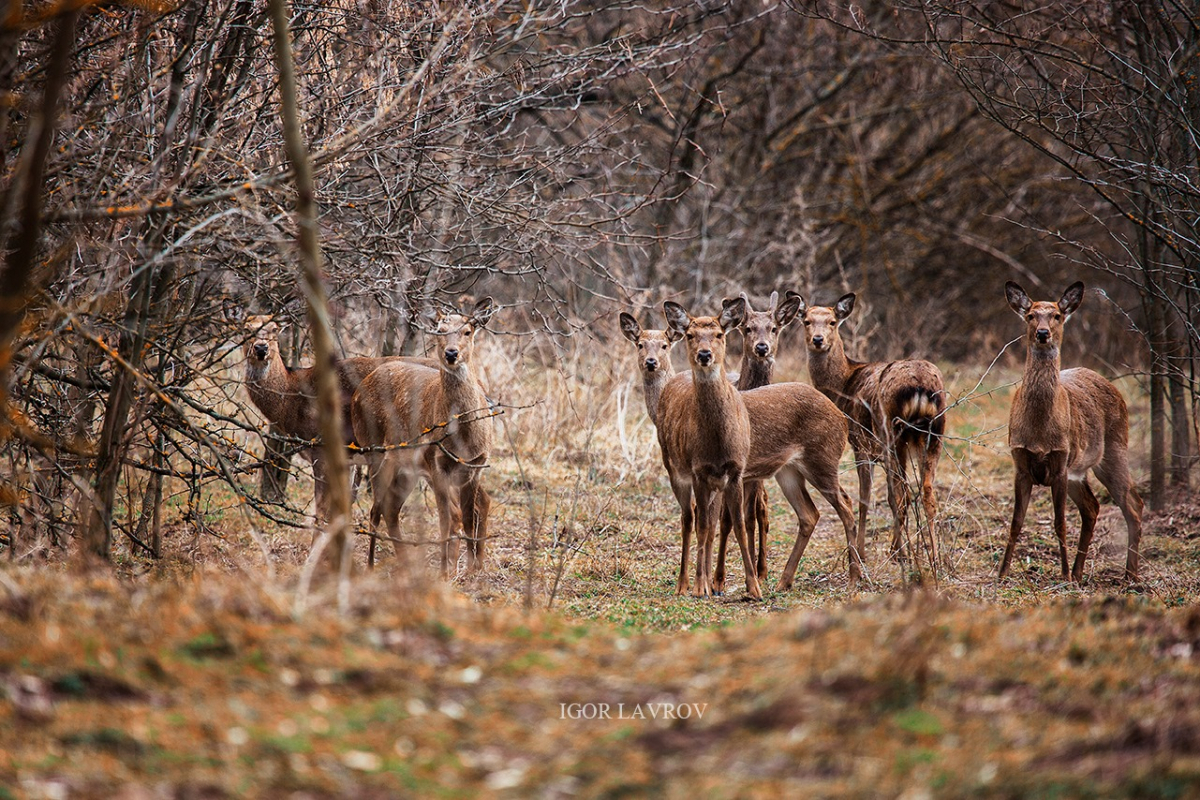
[451,355]
[704,357]
[652,364]
[818,340]
[1043,335]
[762,348]
[261,350]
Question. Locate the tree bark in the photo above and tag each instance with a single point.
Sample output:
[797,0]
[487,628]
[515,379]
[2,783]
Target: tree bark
[328,396]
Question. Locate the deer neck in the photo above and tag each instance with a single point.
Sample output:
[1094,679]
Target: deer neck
[830,370]
[461,393]
[269,386]
[653,384]
[755,372]
[714,393]
[1040,385]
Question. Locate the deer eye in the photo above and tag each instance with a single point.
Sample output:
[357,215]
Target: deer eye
[1057,317]
[663,346]
[1029,317]
[775,329]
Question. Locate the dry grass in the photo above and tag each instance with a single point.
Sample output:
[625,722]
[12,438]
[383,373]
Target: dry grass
[214,674]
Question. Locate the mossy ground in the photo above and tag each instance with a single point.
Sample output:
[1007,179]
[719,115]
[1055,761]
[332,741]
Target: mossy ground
[215,673]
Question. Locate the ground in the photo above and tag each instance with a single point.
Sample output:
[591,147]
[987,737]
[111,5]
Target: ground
[570,668]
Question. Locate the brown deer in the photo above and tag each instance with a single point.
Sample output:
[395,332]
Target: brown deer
[654,359]
[1062,424]
[704,434]
[760,331]
[287,396]
[443,417]
[896,411]
[760,343]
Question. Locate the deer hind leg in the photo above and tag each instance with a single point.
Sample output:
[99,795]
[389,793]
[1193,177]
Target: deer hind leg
[1022,487]
[1089,509]
[403,483]
[735,499]
[864,468]
[1113,472]
[825,480]
[895,466]
[791,482]
[1058,491]
[758,515]
[931,448]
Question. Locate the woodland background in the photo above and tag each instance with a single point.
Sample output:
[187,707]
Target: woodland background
[573,160]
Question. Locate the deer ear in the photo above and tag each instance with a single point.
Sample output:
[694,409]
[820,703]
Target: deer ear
[789,309]
[732,312]
[1071,298]
[844,305]
[678,318]
[801,306]
[771,306]
[630,328]
[1018,301]
[483,311]
[232,311]
[673,335]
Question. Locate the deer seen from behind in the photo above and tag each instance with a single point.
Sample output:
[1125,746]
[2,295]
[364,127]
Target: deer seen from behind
[431,423]
[1062,424]
[896,411]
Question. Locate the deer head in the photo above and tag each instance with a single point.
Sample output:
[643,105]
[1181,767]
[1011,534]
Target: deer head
[760,329]
[1044,319]
[454,332]
[653,346]
[262,339]
[705,336]
[821,323]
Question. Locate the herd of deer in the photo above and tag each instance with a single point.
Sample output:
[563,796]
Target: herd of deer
[722,435]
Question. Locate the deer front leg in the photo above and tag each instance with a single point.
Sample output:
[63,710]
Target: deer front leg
[705,533]
[1022,486]
[683,494]
[734,499]
[719,573]
[447,535]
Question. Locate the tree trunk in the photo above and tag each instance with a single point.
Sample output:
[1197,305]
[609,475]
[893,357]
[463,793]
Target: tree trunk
[328,394]
[1158,411]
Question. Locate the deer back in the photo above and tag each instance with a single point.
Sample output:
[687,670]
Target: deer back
[790,422]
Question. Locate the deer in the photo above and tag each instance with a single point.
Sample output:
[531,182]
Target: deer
[704,436]
[443,420]
[797,436]
[760,331]
[760,342]
[287,396]
[1062,424]
[896,411]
